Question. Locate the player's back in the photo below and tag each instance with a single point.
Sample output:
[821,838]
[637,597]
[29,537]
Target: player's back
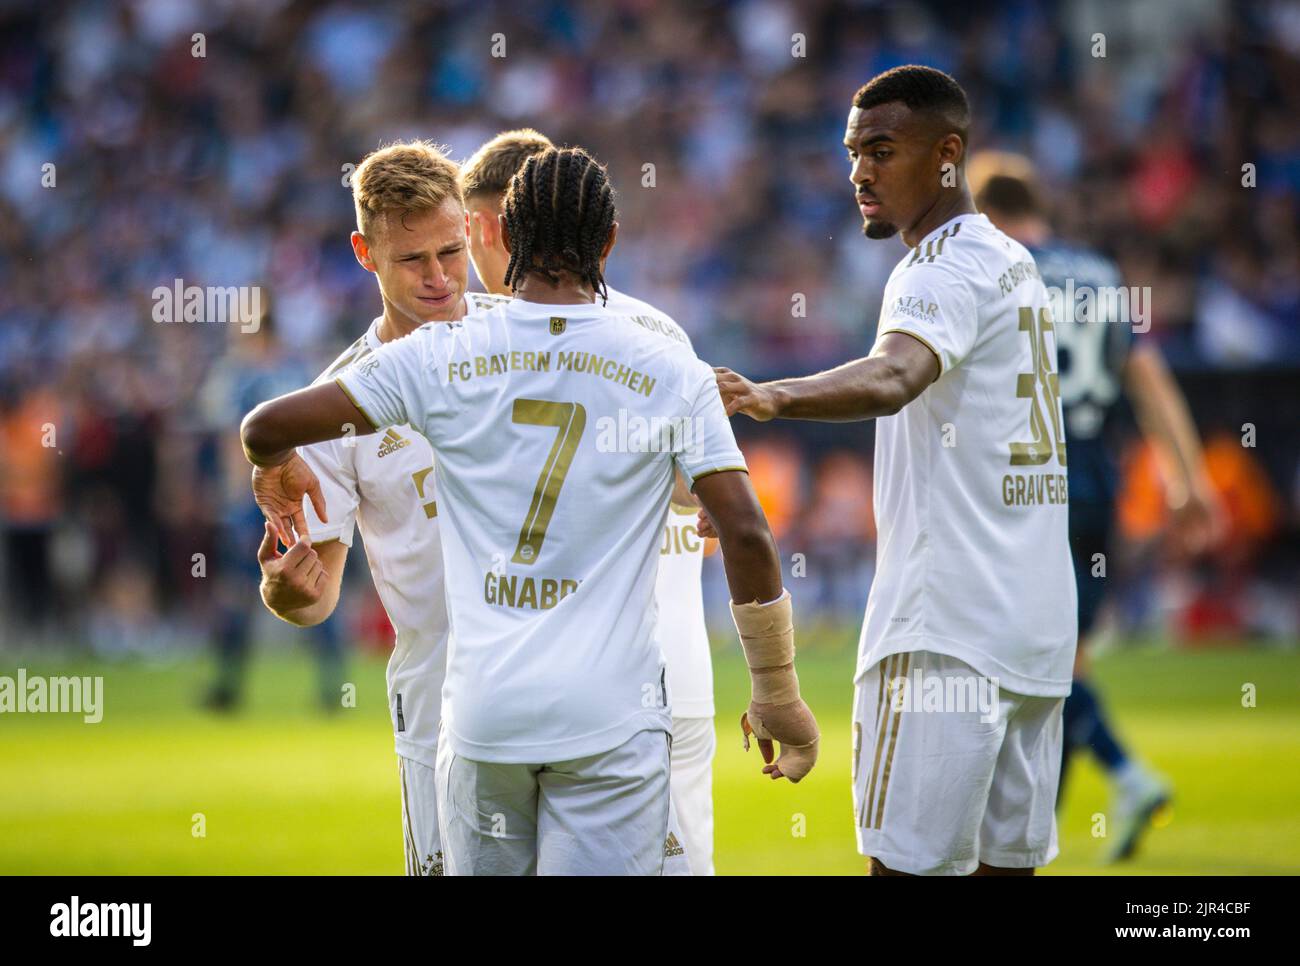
[971,492]
[556,428]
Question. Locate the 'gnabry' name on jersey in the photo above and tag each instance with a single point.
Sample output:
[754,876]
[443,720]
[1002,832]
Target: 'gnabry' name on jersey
[971,497]
[553,512]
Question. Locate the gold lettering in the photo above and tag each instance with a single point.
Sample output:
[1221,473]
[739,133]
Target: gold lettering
[550,593]
[528,593]
[690,538]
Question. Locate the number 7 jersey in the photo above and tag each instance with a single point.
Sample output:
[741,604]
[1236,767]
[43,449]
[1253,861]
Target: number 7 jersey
[971,496]
[556,430]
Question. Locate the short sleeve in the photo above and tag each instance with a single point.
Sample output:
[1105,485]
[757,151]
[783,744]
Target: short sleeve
[707,444]
[936,306]
[396,383]
[336,470]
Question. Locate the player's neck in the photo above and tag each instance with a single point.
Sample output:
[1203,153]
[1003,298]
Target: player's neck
[536,287]
[396,325]
[950,205]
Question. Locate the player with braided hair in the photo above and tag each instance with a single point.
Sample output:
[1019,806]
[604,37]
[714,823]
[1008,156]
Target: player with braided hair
[559,207]
[683,633]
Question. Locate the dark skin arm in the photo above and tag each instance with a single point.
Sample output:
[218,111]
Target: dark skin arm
[898,370]
[749,553]
[270,434]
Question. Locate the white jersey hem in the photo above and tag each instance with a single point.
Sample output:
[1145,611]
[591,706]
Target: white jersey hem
[553,751]
[1007,679]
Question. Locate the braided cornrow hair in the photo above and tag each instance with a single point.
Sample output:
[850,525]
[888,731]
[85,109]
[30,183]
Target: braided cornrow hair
[559,212]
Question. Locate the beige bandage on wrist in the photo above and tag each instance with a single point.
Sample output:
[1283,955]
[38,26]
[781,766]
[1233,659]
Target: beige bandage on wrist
[767,635]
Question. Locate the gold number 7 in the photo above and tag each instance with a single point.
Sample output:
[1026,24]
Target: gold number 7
[569,420]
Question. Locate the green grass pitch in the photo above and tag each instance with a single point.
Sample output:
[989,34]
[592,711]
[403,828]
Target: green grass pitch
[282,788]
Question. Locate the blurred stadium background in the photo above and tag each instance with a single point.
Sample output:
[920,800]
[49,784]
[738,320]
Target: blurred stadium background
[229,169]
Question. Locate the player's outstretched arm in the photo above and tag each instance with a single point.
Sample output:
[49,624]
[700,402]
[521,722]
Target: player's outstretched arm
[898,370]
[301,586]
[764,618]
[270,434]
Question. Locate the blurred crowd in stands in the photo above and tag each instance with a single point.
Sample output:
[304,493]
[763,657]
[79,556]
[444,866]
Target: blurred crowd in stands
[145,141]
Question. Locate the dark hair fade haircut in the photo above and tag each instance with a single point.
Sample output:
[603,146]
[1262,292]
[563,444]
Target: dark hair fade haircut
[559,212]
[923,89]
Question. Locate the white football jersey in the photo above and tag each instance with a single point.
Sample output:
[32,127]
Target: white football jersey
[971,501]
[384,484]
[557,430]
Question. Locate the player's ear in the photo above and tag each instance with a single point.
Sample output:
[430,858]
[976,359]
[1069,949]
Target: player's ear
[952,150]
[487,229]
[361,249]
[609,242]
[505,232]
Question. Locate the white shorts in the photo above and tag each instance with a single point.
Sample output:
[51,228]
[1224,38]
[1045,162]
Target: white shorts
[692,792]
[952,772]
[605,814]
[421,839]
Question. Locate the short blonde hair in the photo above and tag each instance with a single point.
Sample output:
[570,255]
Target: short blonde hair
[409,176]
[488,173]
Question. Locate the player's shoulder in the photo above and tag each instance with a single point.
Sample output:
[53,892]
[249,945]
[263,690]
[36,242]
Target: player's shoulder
[968,253]
[358,350]
[647,316]
[478,302]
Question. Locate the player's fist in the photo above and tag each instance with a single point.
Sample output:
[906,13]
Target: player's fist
[794,726]
[291,580]
[279,491]
[739,395]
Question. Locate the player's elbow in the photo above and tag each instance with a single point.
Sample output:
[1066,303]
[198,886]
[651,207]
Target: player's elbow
[897,387]
[750,537]
[258,432]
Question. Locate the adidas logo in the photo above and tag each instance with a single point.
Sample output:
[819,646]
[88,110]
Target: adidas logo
[672,847]
[391,443]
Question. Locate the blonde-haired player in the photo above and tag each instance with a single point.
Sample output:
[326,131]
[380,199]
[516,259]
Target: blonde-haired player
[411,236]
[484,180]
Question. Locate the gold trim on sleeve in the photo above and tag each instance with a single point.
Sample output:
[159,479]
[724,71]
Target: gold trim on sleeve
[921,339]
[361,409]
[720,469]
